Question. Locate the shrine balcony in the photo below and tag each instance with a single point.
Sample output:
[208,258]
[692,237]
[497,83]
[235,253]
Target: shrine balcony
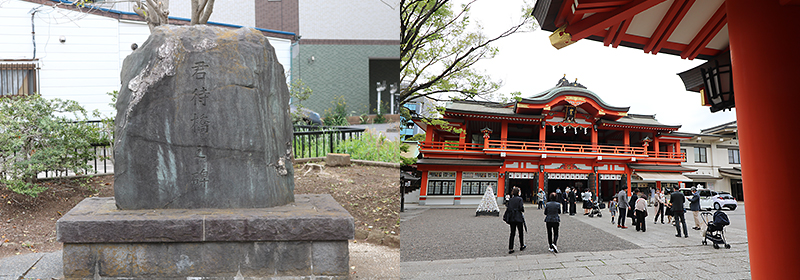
[521,148]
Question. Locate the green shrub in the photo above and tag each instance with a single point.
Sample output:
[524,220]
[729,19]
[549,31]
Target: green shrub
[371,146]
[337,115]
[38,135]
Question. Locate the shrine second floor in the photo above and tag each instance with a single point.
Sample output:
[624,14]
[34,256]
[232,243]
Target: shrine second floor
[565,121]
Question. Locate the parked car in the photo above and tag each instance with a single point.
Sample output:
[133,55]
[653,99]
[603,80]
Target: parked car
[724,199]
[710,199]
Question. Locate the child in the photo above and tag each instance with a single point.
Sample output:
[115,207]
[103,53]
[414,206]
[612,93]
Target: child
[612,207]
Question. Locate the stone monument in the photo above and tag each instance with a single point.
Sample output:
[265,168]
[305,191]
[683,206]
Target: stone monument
[204,180]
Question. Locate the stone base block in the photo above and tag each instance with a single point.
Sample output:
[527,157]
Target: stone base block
[337,159]
[303,240]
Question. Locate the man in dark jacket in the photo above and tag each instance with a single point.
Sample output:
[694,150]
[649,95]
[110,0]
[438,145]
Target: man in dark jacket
[551,219]
[632,204]
[622,196]
[694,206]
[515,219]
[677,199]
[571,196]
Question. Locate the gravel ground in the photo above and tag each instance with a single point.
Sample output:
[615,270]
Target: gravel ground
[436,234]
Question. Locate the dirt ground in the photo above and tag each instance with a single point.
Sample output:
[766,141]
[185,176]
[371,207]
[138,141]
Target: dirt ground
[27,224]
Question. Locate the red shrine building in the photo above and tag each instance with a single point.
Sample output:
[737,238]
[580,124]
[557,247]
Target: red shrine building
[563,137]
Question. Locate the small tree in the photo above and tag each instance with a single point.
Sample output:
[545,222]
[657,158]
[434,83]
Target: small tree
[37,136]
[438,50]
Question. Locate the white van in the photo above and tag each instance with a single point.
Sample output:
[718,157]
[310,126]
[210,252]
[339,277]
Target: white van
[706,198]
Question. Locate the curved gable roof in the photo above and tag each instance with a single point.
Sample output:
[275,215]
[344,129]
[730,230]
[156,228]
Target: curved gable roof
[558,91]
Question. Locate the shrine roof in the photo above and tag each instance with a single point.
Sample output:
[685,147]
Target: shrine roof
[485,108]
[638,120]
[574,89]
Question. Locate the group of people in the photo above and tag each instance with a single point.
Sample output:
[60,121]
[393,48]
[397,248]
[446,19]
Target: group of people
[557,202]
[671,206]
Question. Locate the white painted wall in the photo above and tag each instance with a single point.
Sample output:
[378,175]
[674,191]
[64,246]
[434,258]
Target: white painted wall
[350,19]
[88,64]
[238,12]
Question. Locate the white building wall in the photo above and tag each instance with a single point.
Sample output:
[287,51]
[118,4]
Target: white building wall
[237,12]
[88,64]
[350,19]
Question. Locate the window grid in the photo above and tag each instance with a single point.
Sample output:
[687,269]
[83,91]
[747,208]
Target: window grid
[700,155]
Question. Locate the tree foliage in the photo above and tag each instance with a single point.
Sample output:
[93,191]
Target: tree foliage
[438,50]
[38,135]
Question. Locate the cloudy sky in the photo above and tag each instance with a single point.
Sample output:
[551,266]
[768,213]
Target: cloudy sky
[622,77]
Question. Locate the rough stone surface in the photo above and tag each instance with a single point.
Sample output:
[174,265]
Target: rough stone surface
[375,237]
[209,260]
[309,218]
[330,258]
[337,159]
[392,241]
[203,122]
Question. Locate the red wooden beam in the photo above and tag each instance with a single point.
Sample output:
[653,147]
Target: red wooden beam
[564,13]
[597,22]
[594,10]
[611,34]
[712,27]
[601,3]
[668,24]
[622,32]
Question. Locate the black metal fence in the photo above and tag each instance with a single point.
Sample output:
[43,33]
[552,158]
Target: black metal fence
[318,141]
[308,141]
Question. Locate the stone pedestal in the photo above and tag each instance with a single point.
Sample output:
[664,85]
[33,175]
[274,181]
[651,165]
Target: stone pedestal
[307,238]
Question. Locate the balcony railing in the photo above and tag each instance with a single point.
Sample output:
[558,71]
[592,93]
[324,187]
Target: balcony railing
[542,147]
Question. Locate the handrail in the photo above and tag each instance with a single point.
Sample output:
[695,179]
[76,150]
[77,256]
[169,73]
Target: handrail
[451,146]
[549,147]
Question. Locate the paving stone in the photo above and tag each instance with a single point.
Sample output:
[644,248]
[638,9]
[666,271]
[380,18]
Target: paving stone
[533,274]
[611,269]
[625,261]
[645,275]
[570,272]
[582,263]
[600,277]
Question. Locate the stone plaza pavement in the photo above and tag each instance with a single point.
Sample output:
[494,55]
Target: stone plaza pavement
[660,255]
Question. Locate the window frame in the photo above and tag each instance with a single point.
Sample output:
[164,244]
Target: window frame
[700,157]
[448,178]
[734,157]
[10,71]
[480,180]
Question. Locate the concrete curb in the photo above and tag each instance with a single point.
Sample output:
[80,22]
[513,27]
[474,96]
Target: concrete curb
[357,161]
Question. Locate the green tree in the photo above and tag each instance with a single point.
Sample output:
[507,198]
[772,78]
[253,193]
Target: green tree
[438,50]
[38,135]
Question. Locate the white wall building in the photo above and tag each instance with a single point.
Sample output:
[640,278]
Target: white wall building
[715,154]
[78,55]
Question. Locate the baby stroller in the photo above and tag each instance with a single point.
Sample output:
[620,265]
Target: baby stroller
[715,230]
[596,206]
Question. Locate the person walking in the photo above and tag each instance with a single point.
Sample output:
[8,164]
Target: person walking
[552,220]
[586,196]
[659,200]
[677,199]
[622,197]
[668,205]
[641,212]
[515,218]
[694,206]
[612,207]
[632,206]
[572,198]
[541,198]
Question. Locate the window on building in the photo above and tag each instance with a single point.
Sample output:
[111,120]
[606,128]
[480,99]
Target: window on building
[733,156]
[17,79]
[475,183]
[683,152]
[700,154]
[441,183]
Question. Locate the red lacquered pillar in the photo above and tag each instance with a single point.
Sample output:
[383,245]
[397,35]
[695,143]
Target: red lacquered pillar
[765,54]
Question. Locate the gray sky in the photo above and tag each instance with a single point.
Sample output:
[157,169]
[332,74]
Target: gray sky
[621,77]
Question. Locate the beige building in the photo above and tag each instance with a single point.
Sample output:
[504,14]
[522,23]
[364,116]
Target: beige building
[714,152]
